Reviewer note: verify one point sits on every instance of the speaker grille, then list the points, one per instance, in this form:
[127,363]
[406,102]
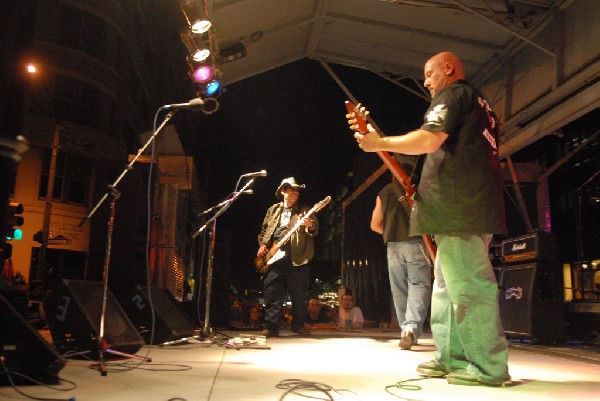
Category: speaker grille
[170,323]
[74,313]
[531,303]
[24,350]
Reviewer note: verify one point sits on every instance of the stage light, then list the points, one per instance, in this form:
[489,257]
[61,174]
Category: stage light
[195,15]
[203,74]
[213,87]
[197,45]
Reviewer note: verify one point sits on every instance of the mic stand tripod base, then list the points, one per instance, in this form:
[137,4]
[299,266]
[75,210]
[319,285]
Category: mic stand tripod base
[213,337]
[101,365]
[181,341]
[201,336]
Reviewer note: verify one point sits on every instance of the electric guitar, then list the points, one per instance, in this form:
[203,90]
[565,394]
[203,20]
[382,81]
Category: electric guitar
[263,263]
[357,120]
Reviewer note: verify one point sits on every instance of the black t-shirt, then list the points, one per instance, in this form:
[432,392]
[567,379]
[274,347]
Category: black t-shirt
[460,191]
[396,212]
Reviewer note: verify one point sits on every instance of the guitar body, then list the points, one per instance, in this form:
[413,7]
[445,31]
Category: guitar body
[357,120]
[263,263]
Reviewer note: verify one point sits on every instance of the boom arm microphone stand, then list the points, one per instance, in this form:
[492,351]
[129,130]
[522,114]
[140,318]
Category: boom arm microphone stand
[102,345]
[223,206]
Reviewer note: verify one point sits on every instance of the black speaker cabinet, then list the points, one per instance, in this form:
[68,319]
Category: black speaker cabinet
[531,301]
[25,351]
[74,313]
[170,323]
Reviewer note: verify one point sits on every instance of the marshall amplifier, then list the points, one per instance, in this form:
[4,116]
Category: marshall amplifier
[540,245]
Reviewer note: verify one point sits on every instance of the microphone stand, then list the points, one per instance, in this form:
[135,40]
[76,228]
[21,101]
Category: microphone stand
[103,347]
[223,206]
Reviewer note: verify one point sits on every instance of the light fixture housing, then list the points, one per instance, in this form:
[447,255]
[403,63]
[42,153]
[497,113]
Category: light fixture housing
[197,45]
[195,15]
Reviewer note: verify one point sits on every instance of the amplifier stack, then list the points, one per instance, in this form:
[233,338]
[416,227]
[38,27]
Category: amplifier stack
[531,288]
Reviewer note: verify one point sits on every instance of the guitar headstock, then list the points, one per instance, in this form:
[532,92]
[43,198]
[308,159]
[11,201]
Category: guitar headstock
[323,203]
[357,117]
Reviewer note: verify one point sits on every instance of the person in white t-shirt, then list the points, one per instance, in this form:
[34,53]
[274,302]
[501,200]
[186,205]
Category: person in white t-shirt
[350,312]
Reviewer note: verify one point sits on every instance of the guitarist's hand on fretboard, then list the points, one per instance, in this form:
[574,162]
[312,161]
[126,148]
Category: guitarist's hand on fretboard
[308,223]
[262,251]
[370,141]
[367,137]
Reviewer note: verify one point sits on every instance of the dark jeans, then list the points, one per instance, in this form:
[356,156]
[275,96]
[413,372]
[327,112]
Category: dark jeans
[281,277]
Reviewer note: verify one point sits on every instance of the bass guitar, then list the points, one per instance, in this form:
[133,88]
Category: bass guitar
[357,119]
[263,263]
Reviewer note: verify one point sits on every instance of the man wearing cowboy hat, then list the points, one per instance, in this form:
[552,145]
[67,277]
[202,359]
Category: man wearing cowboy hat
[291,272]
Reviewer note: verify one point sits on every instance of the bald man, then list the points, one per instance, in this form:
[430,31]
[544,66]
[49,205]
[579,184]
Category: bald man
[460,202]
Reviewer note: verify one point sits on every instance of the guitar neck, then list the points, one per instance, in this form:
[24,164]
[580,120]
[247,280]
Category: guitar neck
[358,123]
[399,173]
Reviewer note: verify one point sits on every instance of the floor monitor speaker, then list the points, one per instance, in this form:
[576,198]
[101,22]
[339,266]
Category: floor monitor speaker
[531,301]
[74,311]
[25,351]
[169,323]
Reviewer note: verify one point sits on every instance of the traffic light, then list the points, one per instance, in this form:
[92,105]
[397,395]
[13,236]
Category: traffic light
[39,237]
[13,219]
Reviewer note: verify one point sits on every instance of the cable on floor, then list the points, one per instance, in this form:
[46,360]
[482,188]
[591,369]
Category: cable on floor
[9,375]
[300,387]
[405,385]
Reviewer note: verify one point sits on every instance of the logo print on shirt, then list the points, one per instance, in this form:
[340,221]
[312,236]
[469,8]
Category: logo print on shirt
[437,115]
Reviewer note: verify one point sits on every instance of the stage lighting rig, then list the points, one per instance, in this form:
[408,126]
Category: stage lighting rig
[203,51]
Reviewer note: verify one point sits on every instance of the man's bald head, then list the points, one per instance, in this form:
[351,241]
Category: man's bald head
[441,70]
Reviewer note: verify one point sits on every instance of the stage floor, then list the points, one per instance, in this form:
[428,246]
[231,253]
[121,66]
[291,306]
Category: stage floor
[355,366]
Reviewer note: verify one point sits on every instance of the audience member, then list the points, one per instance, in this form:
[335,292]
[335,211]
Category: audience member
[351,313]
[318,316]
[236,314]
[256,315]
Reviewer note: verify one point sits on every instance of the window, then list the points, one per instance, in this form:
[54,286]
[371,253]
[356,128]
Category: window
[83,32]
[71,180]
[78,102]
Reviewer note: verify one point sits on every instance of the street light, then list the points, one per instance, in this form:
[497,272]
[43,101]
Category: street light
[32,69]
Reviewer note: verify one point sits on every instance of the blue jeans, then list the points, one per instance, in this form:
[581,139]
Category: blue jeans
[465,316]
[410,280]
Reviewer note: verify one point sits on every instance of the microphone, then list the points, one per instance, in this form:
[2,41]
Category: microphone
[261,173]
[193,105]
